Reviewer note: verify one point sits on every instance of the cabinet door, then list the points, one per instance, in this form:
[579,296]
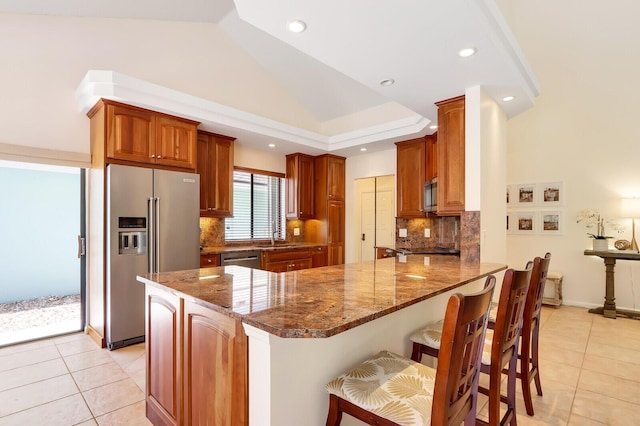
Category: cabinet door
[175,142]
[298,264]
[163,390]
[222,190]
[215,368]
[277,266]
[451,160]
[336,219]
[335,254]
[130,134]
[410,175]
[432,157]
[300,187]
[206,157]
[335,178]
[319,257]
[209,260]
[215,166]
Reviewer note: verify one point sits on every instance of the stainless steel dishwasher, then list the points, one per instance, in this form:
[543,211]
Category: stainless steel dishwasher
[250,259]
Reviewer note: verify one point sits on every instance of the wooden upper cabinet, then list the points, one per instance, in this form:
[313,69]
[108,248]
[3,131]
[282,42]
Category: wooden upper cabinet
[130,134]
[431,144]
[175,142]
[335,178]
[410,177]
[142,136]
[451,156]
[215,166]
[299,186]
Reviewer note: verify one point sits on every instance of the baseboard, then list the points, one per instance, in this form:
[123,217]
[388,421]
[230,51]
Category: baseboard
[96,337]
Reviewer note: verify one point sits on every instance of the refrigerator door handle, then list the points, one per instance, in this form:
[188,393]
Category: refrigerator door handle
[151,257]
[157,237]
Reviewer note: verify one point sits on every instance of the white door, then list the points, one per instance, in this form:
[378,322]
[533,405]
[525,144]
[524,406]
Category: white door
[374,215]
[385,211]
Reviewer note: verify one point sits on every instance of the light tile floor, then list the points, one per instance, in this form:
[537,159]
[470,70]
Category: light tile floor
[69,380]
[590,369]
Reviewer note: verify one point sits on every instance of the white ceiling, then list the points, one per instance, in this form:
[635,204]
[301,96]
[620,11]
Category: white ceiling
[334,68]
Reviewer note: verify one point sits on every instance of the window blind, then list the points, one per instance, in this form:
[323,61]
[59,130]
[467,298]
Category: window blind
[258,207]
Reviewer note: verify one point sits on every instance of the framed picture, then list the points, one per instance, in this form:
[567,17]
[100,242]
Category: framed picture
[551,223]
[551,193]
[510,195]
[509,224]
[524,222]
[525,195]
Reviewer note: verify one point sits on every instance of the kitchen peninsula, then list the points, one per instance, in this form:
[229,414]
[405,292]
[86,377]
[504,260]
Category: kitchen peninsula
[234,345]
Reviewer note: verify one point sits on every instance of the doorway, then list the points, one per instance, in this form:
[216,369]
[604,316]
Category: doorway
[41,267]
[375,209]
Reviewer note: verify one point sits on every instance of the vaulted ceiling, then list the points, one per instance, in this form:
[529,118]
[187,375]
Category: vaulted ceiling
[335,67]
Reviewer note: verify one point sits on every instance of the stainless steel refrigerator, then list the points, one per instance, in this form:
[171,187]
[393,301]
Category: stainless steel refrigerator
[152,226]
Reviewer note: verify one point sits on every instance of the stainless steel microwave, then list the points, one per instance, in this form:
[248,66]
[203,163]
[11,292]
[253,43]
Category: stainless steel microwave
[431,196]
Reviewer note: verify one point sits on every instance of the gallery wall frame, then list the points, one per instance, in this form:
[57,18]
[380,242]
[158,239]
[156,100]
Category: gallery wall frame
[524,222]
[550,194]
[551,222]
[526,195]
[535,208]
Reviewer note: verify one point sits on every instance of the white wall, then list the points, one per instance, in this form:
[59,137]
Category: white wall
[44,58]
[485,171]
[245,156]
[583,131]
[362,166]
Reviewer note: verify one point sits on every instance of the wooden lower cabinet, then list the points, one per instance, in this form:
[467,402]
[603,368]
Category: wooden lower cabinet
[319,257]
[286,260]
[209,260]
[215,368]
[197,366]
[163,390]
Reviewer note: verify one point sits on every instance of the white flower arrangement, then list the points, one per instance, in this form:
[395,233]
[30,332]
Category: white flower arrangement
[593,219]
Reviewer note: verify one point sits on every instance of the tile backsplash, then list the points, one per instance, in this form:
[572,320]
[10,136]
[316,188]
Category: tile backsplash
[445,232]
[211,232]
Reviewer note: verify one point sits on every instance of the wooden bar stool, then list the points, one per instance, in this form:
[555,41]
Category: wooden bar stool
[501,346]
[389,389]
[529,369]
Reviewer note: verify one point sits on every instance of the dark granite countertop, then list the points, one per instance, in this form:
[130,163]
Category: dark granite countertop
[320,302]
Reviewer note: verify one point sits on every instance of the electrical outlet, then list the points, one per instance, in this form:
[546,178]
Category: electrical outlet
[426,261]
[296,231]
[427,232]
[402,233]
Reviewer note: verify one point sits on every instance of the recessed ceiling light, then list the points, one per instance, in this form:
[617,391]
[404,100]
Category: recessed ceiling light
[363,149]
[272,145]
[433,127]
[297,26]
[508,98]
[387,82]
[469,51]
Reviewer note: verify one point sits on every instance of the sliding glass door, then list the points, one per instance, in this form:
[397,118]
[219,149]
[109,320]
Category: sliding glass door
[41,271]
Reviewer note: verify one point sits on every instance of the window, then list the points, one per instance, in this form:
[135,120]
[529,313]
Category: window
[258,206]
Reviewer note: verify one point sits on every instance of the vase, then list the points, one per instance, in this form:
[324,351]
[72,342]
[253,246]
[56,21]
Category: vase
[600,244]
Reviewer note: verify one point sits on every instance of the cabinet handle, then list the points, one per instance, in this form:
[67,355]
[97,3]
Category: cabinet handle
[159,156]
[209,260]
[153,156]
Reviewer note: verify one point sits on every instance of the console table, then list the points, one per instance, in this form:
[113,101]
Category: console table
[609,309]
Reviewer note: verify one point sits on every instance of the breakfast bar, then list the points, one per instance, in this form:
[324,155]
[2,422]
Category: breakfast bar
[234,345]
